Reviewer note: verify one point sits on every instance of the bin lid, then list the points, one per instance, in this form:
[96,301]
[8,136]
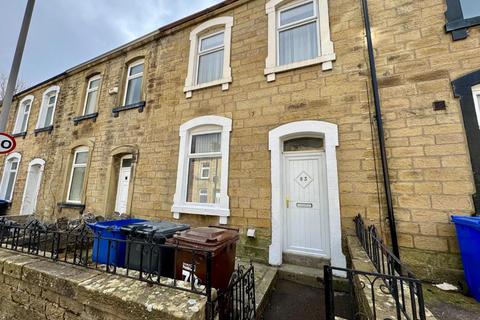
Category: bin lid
[113,225]
[473,222]
[146,228]
[208,238]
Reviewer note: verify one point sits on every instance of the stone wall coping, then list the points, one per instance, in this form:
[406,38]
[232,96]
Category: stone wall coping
[385,304]
[112,294]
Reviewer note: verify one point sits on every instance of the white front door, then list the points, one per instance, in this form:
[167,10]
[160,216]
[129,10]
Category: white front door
[32,185]
[306,208]
[123,184]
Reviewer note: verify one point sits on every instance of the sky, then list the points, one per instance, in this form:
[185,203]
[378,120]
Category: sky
[64,33]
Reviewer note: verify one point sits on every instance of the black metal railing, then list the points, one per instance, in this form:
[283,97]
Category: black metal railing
[237,301]
[379,253]
[142,260]
[388,296]
[148,260]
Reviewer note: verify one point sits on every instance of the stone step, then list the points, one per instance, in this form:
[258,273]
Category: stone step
[305,261]
[308,276]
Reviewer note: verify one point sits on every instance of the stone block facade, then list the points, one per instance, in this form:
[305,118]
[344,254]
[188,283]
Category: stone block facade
[427,151]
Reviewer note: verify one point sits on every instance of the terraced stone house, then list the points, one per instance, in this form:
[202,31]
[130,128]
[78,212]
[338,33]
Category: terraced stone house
[261,115]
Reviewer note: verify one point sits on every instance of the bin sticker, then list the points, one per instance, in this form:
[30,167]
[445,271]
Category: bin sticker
[189,275]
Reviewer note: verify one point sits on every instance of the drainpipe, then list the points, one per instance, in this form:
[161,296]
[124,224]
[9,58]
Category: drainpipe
[381,133]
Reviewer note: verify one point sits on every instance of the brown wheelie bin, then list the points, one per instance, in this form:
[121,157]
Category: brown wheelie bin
[219,241]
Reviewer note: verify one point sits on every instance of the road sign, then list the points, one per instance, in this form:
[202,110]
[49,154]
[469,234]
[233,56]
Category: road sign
[7,143]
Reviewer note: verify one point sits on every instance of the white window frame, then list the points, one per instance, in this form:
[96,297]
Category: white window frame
[82,165]
[326,54]
[6,174]
[21,112]
[129,77]
[475,95]
[191,80]
[202,125]
[88,91]
[203,170]
[43,109]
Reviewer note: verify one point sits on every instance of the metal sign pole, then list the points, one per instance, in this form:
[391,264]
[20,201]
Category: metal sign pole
[17,58]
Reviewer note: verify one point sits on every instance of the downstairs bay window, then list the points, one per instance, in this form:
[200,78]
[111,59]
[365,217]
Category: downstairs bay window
[202,177]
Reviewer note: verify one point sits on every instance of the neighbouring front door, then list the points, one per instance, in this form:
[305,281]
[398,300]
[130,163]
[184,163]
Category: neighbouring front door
[32,185]
[123,184]
[306,209]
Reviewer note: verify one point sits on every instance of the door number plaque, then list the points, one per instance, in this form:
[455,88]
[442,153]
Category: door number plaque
[303,179]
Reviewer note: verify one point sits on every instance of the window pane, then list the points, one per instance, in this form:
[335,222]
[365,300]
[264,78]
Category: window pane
[51,99]
[126,163]
[204,143]
[298,44]
[23,127]
[136,69]
[48,116]
[212,185]
[203,196]
[14,165]
[470,8]
[303,144]
[77,184]
[304,11]
[81,157]
[210,66]
[211,42]
[94,84]
[134,90]
[91,102]
[10,182]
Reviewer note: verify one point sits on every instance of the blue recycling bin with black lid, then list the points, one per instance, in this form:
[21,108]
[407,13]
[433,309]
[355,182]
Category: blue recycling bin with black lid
[106,250]
[468,235]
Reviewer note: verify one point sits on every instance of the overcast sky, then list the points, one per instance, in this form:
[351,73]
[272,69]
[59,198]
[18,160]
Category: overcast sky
[64,33]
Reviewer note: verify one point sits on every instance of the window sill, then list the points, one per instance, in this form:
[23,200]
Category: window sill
[78,119]
[458,27]
[325,60]
[49,129]
[223,82]
[201,210]
[19,134]
[138,105]
[68,205]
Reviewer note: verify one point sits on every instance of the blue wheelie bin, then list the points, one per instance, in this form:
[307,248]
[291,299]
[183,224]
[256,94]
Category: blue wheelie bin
[104,231]
[468,235]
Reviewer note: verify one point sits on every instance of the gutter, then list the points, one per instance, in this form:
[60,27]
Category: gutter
[381,132]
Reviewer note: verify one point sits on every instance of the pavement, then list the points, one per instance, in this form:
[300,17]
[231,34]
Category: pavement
[291,300]
[450,305]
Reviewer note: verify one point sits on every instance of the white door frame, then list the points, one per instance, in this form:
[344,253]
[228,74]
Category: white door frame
[329,132]
[128,156]
[32,163]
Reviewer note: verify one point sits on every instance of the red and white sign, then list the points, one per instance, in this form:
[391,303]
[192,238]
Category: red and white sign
[7,143]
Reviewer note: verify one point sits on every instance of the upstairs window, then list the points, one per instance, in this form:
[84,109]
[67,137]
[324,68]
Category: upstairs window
[476,101]
[91,95]
[297,33]
[77,175]
[209,58]
[461,14]
[21,123]
[298,36]
[9,176]
[205,170]
[134,82]
[47,110]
